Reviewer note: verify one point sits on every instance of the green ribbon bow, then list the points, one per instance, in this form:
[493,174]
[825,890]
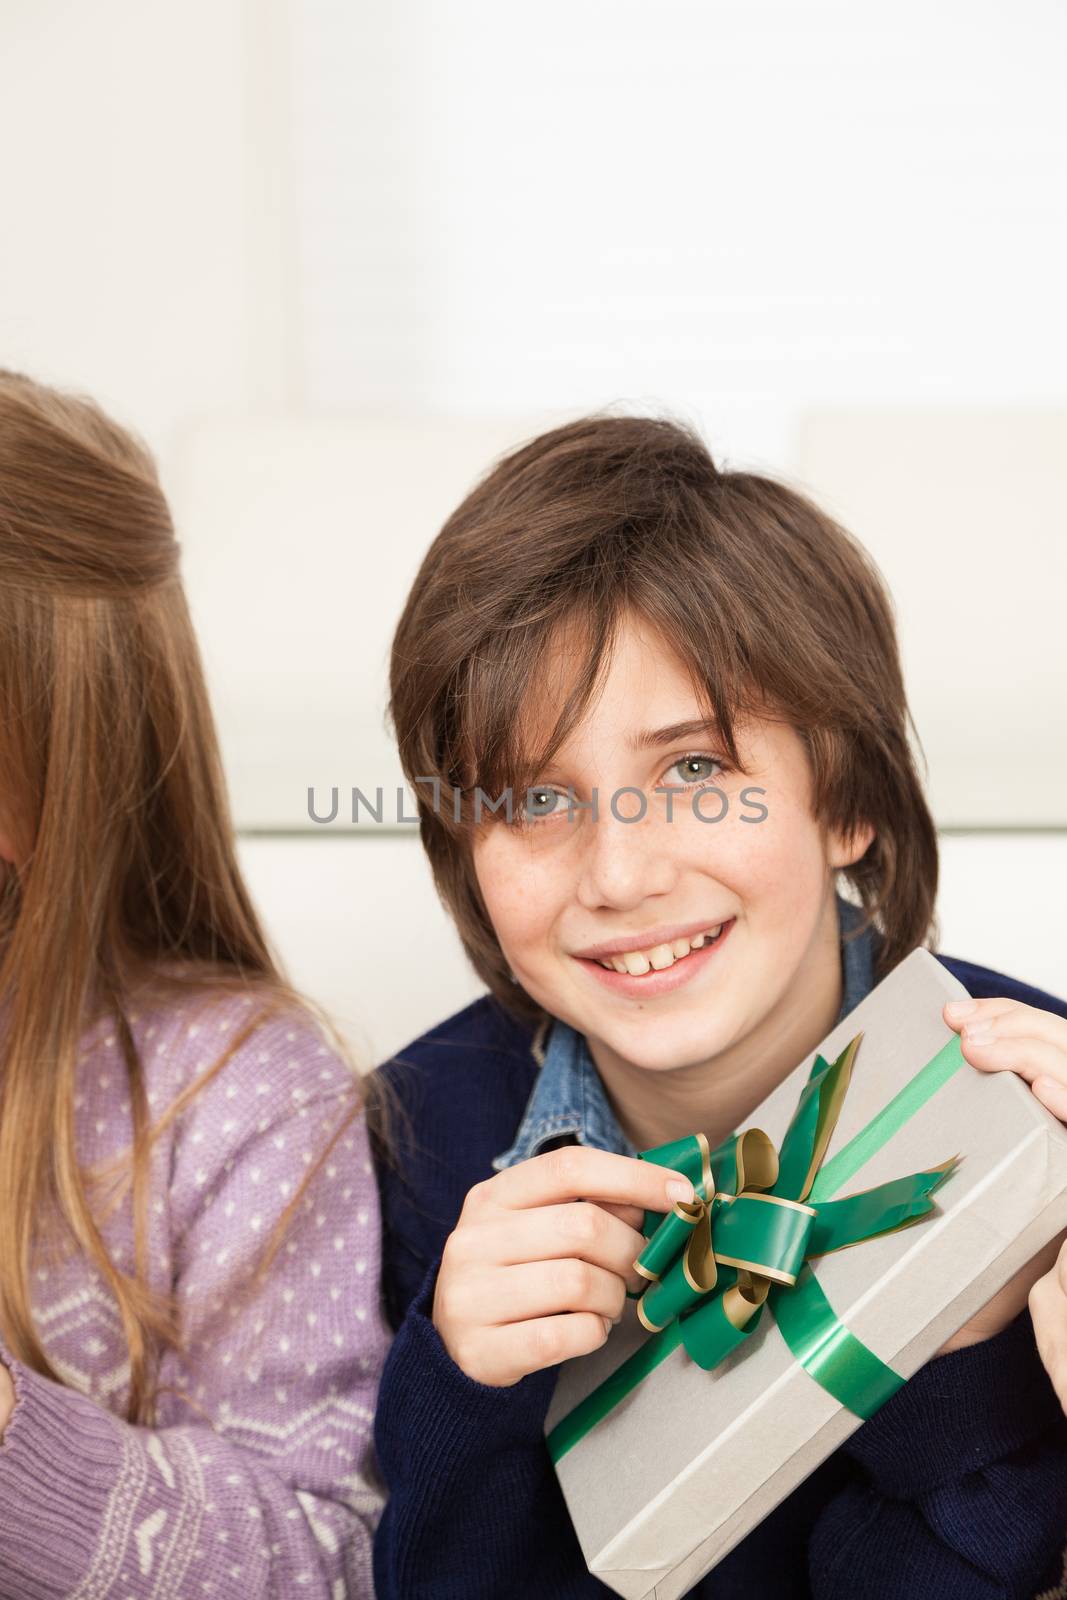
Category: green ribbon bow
[714,1263]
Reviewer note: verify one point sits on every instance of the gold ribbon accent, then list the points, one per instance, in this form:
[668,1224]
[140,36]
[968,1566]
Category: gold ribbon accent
[757,1170]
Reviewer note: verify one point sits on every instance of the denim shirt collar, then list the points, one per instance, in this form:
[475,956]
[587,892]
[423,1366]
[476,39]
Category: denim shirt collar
[568,1096]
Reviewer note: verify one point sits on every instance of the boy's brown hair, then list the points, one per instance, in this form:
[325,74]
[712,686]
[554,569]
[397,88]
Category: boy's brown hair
[773,606]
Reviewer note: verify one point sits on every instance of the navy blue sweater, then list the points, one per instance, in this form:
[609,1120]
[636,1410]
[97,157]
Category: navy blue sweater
[956,1489]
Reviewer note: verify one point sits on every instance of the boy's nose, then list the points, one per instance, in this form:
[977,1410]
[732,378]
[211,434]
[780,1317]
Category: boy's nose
[623,863]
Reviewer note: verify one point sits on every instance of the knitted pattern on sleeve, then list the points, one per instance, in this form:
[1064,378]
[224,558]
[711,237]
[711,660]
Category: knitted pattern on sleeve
[259,1477]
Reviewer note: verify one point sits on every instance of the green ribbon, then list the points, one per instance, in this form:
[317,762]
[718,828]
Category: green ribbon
[745,1242]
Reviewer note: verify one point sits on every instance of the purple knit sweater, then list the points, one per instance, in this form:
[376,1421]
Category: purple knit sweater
[261,1481]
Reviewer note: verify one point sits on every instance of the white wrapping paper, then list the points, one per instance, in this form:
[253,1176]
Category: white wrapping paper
[689,1462]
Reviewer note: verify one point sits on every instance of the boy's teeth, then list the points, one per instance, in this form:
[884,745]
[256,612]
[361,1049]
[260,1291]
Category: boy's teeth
[660,956]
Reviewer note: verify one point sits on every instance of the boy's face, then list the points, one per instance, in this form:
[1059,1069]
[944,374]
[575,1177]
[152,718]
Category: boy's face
[558,885]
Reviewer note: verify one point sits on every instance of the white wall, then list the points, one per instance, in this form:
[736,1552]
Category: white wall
[128,207]
[965,513]
[999,904]
[304,540]
[737,211]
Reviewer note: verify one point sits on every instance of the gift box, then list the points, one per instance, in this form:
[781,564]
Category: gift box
[960,1177]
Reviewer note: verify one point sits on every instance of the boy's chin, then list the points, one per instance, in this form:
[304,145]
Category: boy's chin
[657,1046]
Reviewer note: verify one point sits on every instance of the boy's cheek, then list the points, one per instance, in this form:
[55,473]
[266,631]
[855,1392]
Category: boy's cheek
[521,900]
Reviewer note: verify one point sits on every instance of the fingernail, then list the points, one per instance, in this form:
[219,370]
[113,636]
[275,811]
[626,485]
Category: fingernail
[961,1008]
[607,1324]
[679,1189]
[979,1033]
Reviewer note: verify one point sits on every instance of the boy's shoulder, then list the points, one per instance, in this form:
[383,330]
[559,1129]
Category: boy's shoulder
[440,1110]
[477,1044]
[453,1096]
[985,983]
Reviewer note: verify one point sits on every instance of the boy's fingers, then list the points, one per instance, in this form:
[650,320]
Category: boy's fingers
[578,1172]
[633,1216]
[1027,1058]
[1010,1019]
[510,1352]
[585,1232]
[1053,1095]
[546,1288]
[960,1012]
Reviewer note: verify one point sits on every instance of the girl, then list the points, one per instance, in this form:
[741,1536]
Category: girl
[190,1339]
[656,719]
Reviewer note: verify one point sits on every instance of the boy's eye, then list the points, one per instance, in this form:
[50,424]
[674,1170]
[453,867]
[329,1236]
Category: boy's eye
[541,803]
[696,769]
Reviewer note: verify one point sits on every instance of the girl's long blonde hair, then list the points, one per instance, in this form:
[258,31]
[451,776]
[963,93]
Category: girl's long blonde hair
[124,878]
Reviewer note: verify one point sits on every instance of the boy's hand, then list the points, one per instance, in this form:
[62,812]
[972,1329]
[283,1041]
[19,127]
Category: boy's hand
[998,1035]
[1010,1036]
[1005,1306]
[1048,1308]
[532,1274]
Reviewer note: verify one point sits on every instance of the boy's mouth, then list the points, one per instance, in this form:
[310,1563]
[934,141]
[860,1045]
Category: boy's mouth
[660,968]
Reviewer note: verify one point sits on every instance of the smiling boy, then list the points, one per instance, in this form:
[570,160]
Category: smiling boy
[565,896]
[685,687]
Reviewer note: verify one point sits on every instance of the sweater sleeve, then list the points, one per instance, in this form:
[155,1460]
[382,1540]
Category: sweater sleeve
[961,1488]
[475,1511]
[259,1478]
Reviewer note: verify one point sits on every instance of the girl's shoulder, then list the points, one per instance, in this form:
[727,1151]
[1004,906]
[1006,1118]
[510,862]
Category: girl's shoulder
[238,1033]
[221,1037]
[225,1075]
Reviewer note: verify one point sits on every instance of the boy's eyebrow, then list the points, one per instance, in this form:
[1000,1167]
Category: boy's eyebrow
[676,733]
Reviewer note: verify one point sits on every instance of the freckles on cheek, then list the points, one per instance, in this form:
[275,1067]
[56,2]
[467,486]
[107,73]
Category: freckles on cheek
[518,899]
[774,860]
[783,869]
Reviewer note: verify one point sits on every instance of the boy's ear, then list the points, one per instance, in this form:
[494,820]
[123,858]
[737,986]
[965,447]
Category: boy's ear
[847,848]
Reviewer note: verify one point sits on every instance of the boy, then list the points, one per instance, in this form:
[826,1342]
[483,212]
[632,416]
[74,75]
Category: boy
[653,713]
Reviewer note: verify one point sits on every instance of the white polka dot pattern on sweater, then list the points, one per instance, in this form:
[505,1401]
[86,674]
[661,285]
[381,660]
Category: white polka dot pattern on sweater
[260,1474]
